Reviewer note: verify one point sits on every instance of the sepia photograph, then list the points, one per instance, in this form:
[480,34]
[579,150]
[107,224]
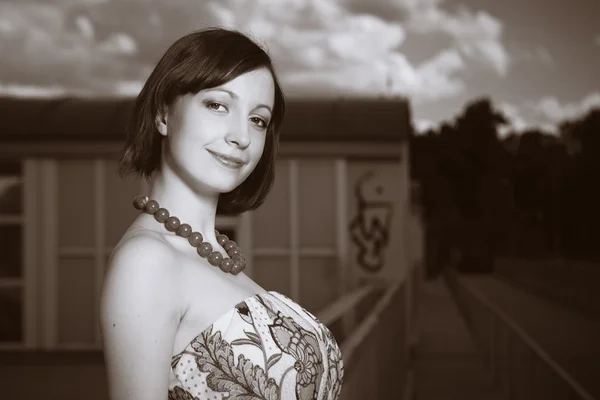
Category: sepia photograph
[299,200]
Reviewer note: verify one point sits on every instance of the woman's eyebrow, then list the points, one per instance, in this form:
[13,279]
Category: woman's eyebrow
[264,106]
[229,92]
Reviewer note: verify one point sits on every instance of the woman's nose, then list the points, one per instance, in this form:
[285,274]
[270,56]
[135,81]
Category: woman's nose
[238,133]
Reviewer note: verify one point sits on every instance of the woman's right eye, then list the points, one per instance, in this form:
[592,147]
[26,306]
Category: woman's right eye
[216,106]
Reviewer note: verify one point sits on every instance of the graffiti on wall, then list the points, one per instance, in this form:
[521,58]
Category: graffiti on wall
[370,228]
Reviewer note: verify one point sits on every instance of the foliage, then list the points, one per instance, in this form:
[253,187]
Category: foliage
[530,194]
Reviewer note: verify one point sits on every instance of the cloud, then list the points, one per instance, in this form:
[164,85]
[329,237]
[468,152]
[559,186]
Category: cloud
[109,47]
[545,114]
[389,75]
[436,78]
[18,90]
[423,125]
[320,48]
[537,54]
[477,35]
[52,46]
[554,111]
[516,122]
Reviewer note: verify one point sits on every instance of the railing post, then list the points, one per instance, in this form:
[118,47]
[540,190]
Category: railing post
[349,322]
[373,361]
[533,376]
[493,355]
[507,341]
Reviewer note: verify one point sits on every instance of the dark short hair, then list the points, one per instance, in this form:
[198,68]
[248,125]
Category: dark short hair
[201,60]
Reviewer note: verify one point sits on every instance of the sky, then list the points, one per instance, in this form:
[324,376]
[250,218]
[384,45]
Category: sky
[537,60]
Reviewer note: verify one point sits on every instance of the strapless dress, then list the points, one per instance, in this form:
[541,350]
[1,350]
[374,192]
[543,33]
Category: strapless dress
[266,347]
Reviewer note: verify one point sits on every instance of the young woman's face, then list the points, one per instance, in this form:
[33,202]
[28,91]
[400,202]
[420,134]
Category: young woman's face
[216,137]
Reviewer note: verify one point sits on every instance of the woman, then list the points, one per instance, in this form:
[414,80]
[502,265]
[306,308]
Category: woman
[178,315]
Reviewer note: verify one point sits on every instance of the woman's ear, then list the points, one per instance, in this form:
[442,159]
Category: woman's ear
[161,121]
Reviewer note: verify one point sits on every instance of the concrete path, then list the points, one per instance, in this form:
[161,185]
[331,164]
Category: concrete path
[570,337]
[447,365]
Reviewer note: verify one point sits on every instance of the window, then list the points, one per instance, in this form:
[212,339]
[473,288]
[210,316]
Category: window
[298,233]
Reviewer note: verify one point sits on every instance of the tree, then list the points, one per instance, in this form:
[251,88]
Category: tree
[532,194]
[580,193]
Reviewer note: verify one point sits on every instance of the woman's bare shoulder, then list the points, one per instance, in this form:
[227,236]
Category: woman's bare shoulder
[140,309]
[141,243]
[142,259]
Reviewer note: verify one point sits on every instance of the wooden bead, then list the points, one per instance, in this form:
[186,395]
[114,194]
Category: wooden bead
[140,201]
[195,239]
[151,207]
[215,258]
[172,224]
[241,259]
[226,265]
[205,249]
[185,230]
[237,268]
[229,245]
[222,239]
[161,215]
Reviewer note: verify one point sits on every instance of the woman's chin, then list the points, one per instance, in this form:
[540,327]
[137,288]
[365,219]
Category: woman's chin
[219,182]
[226,187]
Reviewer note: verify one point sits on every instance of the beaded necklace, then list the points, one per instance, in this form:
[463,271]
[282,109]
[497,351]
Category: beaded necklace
[234,264]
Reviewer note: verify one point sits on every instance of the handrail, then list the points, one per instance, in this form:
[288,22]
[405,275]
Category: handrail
[586,266]
[559,280]
[525,337]
[349,346]
[336,310]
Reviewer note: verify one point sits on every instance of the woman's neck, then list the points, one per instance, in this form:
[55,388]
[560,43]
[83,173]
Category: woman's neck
[190,206]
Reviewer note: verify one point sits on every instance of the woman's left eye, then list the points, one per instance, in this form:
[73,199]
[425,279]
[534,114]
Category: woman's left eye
[259,121]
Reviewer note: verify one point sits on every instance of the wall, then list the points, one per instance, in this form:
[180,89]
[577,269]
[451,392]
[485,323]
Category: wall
[298,242]
[378,192]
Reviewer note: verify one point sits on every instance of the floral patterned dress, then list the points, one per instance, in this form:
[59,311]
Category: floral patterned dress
[266,347]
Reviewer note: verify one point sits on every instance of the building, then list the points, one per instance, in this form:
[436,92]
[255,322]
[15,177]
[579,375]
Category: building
[339,214]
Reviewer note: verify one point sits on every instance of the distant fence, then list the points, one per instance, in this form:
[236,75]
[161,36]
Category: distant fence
[574,284]
[519,365]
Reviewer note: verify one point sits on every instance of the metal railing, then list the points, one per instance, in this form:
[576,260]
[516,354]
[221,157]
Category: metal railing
[519,365]
[368,323]
[568,282]
[374,345]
